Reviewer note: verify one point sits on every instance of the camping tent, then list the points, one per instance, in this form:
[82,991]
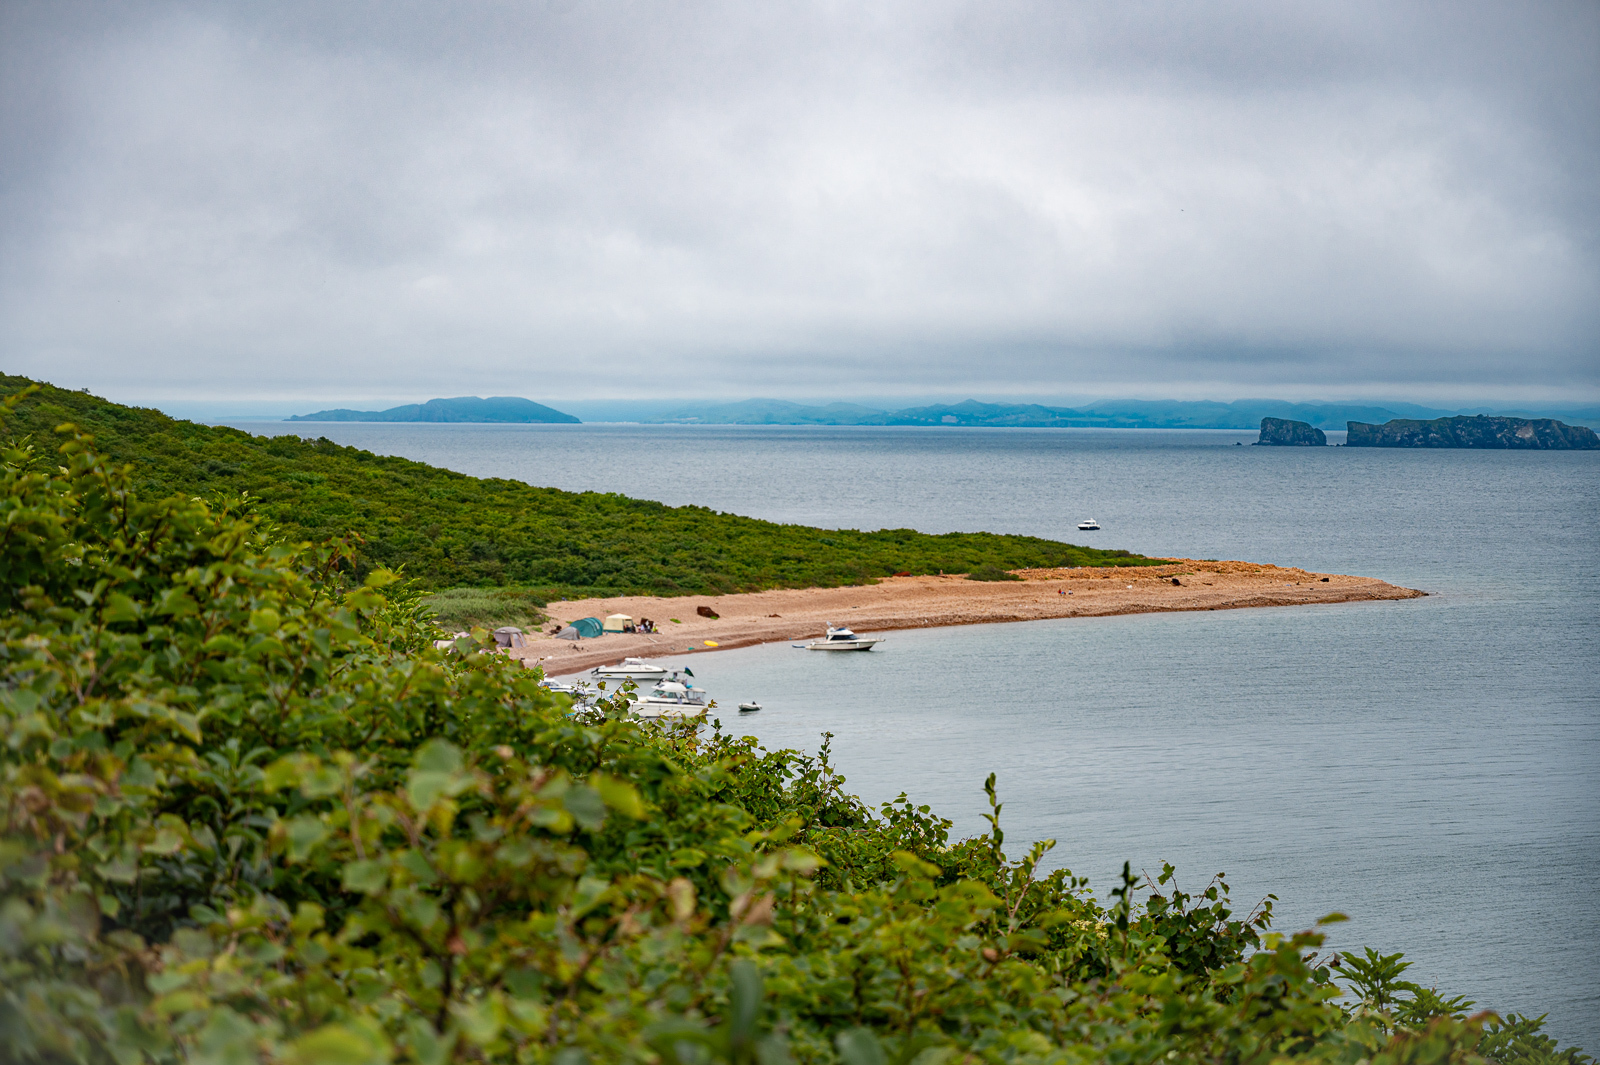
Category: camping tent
[508,636]
[617,622]
[584,628]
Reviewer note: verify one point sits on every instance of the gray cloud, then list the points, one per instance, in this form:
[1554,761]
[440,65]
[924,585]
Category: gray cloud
[394,201]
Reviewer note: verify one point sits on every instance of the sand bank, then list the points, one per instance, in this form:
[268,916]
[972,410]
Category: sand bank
[924,602]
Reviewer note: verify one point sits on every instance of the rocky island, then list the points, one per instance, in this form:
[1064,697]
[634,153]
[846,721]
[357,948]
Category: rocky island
[1281,432]
[1481,431]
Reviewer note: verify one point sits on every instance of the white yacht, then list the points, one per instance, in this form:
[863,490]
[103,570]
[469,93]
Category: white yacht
[632,669]
[840,638]
[671,698]
[1088,525]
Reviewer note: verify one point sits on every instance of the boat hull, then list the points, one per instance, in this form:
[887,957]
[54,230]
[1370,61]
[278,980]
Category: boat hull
[842,645]
[651,711]
[632,669]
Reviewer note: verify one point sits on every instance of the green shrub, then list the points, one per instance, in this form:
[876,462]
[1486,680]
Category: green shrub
[250,814]
[990,572]
[458,609]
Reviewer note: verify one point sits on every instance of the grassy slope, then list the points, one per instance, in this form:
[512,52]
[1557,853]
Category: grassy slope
[449,529]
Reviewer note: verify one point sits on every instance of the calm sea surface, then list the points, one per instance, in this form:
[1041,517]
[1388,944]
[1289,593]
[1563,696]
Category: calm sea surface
[1430,768]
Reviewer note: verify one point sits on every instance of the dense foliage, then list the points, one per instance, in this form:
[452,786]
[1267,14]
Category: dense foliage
[248,813]
[447,529]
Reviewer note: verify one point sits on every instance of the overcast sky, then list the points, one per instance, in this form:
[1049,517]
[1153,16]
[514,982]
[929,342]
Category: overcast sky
[388,201]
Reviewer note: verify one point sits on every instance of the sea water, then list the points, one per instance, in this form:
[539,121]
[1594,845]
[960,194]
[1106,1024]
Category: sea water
[1431,767]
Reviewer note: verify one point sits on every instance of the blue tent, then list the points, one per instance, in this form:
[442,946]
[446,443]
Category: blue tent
[588,628]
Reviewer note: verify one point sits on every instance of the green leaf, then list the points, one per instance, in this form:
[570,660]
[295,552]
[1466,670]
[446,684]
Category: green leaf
[286,771]
[164,842]
[424,789]
[438,756]
[368,877]
[586,806]
[481,1020]
[120,608]
[744,1001]
[427,1046]
[619,796]
[590,891]
[265,620]
[304,833]
[858,1046]
[321,782]
[339,1044]
[308,917]
[122,869]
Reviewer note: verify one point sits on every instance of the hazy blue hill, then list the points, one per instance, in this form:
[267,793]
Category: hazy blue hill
[971,412]
[777,412]
[459,409]
[1113,413]
[1240,414]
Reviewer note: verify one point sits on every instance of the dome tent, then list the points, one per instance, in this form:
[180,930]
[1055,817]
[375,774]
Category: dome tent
[583,628]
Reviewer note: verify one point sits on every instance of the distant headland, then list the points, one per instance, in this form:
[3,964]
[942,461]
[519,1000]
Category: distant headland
[460,409]
[1517,434]
[1533,434]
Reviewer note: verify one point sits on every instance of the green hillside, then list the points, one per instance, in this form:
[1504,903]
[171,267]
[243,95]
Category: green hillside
[448,529]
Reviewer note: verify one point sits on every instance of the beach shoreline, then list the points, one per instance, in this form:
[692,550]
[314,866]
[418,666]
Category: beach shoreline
[795,614]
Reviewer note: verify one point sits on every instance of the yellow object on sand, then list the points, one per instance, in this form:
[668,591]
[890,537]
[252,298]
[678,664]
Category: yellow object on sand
[712,643]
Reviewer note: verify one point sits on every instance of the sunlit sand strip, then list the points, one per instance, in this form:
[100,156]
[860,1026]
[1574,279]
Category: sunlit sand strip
[927,602]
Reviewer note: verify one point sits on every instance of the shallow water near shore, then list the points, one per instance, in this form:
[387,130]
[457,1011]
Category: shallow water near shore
[1430,767]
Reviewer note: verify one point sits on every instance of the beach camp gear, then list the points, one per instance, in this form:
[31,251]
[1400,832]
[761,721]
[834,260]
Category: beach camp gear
[582,629]
[617,622]
[508,636]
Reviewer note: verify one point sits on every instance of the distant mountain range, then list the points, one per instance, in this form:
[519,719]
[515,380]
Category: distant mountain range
[1115,414]
[1107,414]
[460,409]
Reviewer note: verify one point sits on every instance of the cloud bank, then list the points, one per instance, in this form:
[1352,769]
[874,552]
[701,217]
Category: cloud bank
[393,201]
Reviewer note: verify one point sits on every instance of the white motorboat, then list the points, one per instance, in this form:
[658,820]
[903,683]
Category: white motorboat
[1088,525]
[671,698]
[840,638]
[632,669]
[582,696]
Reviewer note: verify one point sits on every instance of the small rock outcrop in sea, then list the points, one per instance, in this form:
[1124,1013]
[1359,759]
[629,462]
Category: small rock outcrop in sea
[1536,434]
[1282,432]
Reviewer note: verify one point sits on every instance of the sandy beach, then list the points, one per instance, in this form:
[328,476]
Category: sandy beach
[925,602]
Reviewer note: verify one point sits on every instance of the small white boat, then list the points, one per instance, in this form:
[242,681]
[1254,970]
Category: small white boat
[582,696]
[745,708]
[632,669]
[672,699]
[840,638]
[1088,525]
